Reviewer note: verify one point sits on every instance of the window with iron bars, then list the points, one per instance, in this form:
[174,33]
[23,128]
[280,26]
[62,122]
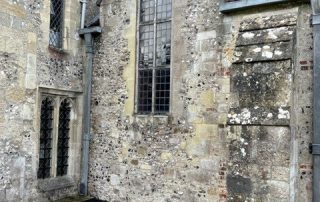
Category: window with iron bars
[153,90]
[56,24]
[54,141]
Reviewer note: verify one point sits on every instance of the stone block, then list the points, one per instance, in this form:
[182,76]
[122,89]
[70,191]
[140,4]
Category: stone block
[32,42]
[165,156]
[31,81]
[263,52]
[27,113]
[15,95]
[5,19]
[268,21]
[207,98]
[207,35]
[31,64]
[265,36]
[201,143]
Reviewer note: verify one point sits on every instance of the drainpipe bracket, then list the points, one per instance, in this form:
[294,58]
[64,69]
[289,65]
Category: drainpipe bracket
[314,149]
[91,30]
[315,20]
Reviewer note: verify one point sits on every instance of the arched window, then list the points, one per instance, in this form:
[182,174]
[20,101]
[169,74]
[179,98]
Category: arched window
[63,137]
[46,134]
[56,119]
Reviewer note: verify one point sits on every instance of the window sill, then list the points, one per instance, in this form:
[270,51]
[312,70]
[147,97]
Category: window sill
[56,183]
[152,115]
[231,6]
[58,50]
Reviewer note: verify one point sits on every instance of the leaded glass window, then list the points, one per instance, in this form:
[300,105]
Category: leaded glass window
[56,23]
[55,135]
[153,91]
[63,138]
[46,130]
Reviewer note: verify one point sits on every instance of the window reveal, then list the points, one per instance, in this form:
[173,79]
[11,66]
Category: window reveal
[153,95]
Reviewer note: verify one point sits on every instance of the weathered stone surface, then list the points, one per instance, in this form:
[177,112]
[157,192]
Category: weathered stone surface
[252,151]
[268,22]
[263,52]
[237,84]
[265,36]
[259,116]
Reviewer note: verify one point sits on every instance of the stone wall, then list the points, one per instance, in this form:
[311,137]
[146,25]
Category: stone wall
[239,128]
[241,104]
[28,65]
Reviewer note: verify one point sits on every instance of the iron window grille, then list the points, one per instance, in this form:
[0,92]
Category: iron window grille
[56,23]
[54,141]
[63,138]
[46,130]
[153,90]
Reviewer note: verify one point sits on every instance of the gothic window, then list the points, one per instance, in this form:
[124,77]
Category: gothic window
[56,23]
[153,90]
[46,130]
[54,141]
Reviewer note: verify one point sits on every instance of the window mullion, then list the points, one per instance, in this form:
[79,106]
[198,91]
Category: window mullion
[55,137]
[154,55]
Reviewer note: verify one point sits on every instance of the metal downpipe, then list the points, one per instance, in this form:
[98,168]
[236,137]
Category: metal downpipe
[83,13]
[315,147]
[86,116]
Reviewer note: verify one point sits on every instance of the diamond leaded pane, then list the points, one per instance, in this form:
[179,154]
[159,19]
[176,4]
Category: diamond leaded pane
[46,127]
[63,138]
[56,23]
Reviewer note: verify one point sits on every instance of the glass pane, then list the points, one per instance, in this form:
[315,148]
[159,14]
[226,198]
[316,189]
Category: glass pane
[145,91]
[146,46]
[164,9]
[147,11]
[163,44]
[162,97]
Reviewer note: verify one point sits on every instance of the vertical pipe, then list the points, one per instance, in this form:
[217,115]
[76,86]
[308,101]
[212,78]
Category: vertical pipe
[83,13]
[86,116]
[316,108]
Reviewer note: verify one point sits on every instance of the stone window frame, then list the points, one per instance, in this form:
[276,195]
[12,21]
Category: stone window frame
[231,5]
[152,113]
[55,182]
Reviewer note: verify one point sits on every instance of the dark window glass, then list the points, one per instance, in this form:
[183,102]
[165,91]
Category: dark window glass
[63,138]
[46,127]
[56,23]
[154,57]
